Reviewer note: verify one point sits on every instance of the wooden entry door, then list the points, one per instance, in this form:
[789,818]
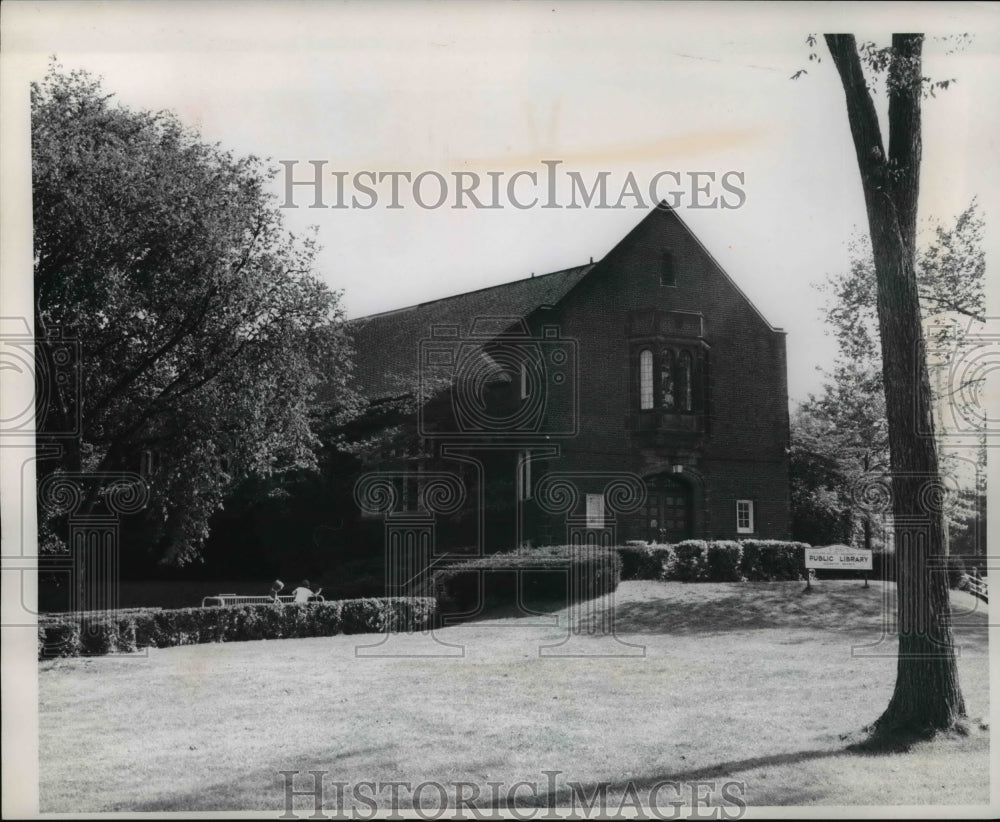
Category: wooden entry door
[667,513]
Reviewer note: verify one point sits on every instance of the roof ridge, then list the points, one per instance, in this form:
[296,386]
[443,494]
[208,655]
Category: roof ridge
[473,291]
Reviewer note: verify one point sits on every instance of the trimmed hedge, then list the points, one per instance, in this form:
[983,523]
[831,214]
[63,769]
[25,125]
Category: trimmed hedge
[692,561]
[666,559]
[639,562]
[76,635]
[563,573]
[696,560]
[117,612]
[725,561]
[773,560]
[642,560]
[59,639]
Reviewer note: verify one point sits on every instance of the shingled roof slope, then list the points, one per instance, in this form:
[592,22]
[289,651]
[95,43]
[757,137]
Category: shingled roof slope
[386,344]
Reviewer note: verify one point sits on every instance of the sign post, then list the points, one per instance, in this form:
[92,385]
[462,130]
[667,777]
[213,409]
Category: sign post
[838,556]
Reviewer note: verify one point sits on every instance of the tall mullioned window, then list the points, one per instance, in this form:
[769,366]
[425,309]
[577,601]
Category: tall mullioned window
[668,371]
[684,380]
[667,380]
[645,379]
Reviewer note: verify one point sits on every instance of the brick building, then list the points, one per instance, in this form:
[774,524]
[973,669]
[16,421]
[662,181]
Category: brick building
[639,397]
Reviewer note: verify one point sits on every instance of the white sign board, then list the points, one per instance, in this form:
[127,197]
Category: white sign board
[838,557]
[595,510]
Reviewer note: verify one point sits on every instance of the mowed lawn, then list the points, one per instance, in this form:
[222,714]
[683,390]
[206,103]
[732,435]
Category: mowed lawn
[755,682]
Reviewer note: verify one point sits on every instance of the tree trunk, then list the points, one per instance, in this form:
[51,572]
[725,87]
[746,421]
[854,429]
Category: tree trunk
[927,695]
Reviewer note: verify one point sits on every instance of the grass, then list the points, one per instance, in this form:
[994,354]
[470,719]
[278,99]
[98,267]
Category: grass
[749,682]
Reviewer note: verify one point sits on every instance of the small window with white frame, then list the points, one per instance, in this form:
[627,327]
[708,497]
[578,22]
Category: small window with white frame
[744,516]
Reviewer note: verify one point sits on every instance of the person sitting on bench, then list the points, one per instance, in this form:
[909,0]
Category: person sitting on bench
[304,593]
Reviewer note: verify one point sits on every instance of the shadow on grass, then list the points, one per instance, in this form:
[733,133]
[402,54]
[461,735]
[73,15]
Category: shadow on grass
[706,608]
[675,608]
[227,796]
[233,795]
[264,788]
[712,607]
[875,741]
[730,770]
[643,784]
[723,607]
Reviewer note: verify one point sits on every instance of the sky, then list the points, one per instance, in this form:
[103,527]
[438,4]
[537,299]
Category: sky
[636,88]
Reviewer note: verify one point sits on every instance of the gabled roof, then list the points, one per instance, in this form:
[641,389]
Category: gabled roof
[386,344]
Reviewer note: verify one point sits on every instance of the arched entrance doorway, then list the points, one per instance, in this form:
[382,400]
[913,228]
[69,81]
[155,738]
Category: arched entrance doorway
[668,511]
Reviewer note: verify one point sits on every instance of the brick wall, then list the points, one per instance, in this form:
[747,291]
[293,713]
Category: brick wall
[742,455]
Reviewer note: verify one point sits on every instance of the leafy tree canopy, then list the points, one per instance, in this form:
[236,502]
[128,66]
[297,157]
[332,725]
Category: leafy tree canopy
[840,436]
[950,272]
[204,331]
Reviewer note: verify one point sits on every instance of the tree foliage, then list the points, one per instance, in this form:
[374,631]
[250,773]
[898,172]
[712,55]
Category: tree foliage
[821,513]
[844,427]
[839,439]
[950,274]
[203,328]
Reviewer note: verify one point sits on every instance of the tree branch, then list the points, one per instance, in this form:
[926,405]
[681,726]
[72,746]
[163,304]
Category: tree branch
[865,130]
[905,146]
[951,305]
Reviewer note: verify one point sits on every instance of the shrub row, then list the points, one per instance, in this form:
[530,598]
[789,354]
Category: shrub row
[76,634]
[561,573]
[749,560]
[641,560]
[61,615]
[697,560]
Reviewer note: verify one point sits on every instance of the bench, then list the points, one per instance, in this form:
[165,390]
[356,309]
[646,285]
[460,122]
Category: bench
[977,586]
[240,599]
